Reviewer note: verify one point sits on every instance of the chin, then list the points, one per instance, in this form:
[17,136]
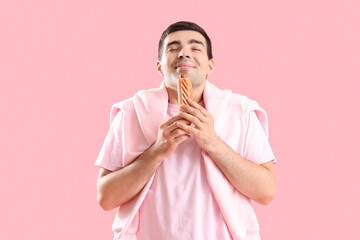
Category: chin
[186,71]
[197,81]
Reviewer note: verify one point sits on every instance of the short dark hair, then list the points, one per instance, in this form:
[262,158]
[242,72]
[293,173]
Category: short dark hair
[182,26]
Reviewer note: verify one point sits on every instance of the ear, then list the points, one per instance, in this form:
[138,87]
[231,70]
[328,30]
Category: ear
[211,66]
[158,67]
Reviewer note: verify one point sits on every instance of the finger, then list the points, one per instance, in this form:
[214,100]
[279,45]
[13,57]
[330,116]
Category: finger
[183,120]
[193,111]
[199,107]
[170,123]
[193,119]
[180,139]
[171,120]
[188,129]
[177,133]
[173,126]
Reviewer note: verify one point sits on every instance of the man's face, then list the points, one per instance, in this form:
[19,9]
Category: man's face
[184,52]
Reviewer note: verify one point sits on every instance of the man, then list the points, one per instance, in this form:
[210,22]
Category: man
[189,174]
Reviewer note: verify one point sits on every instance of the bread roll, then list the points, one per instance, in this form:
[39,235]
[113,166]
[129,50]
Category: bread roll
[184,88]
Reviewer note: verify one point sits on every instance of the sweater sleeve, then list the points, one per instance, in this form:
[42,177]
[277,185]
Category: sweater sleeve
[110,156]
[257,147]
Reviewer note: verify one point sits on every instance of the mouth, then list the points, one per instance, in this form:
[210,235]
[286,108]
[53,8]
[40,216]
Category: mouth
[184,66]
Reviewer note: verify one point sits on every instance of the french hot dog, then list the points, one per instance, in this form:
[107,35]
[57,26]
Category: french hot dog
[184,88]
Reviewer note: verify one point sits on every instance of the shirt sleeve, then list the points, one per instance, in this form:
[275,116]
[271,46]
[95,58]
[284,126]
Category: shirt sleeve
[110,156]
[257,147]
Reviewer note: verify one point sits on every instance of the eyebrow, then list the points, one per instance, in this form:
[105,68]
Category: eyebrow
[196,41]
[191,41]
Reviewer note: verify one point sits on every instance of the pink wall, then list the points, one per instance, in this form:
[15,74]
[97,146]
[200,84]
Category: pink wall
[63,63]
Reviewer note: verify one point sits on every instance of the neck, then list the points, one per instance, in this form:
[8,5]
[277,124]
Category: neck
[197,93]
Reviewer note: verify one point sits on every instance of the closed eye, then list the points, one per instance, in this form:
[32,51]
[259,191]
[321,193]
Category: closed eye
[171,50]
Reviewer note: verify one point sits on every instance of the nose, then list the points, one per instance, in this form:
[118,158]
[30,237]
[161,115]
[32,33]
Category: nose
[184,53]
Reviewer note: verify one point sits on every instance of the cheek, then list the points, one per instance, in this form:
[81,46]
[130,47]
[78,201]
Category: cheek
[202,60]
[165,65]
[205,66]
[168,61]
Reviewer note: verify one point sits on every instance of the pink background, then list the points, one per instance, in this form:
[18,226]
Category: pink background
[64,63]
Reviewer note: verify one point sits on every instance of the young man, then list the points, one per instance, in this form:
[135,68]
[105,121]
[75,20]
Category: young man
[190,174]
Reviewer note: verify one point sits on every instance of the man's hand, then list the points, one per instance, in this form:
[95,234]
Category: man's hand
[118,187]
[170,136]
[257,182]
[203,131]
